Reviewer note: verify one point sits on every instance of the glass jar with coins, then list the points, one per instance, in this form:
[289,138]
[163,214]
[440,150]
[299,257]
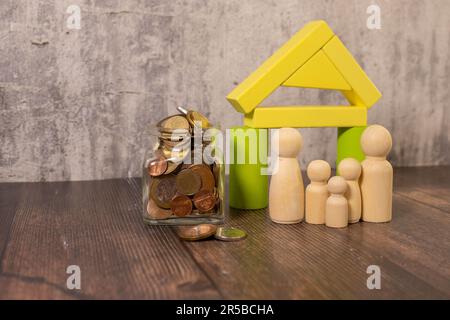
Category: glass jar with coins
[183,173]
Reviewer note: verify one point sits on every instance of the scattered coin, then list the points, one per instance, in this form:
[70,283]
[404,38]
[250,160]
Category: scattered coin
[181,205]
[163,189]
[204,200]
[206,176]
[230,234]
[156,212]
[198,232]
[157,167]
[188,182]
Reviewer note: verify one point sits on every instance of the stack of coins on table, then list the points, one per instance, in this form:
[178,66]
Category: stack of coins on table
[181,188]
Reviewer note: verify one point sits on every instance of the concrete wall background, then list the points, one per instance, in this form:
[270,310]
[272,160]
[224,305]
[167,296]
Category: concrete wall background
[79,104]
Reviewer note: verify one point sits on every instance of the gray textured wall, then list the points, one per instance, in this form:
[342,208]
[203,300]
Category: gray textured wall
[79,104]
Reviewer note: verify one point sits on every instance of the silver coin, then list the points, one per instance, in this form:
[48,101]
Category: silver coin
[230,234]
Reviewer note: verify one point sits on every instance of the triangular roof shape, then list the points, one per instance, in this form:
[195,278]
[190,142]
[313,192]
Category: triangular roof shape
[314,57]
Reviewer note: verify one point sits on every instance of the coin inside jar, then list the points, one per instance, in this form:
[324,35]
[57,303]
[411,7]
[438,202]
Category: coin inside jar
[206,176]
[188,182]
[171,136]
[163,189]
[230,234]
[204,200]
[172,123]
[156,212]
[179,154]
[157,167]
[181,205]
[195,118]
[172,166]
[198,232]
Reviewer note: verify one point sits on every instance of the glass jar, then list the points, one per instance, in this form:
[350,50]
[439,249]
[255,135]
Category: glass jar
[159,192]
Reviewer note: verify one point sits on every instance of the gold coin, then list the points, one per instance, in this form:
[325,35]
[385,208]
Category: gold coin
[195,119]
[174,136]
[163,189]
[198,232]
[188,182]
[230,234]
[179,154]
[206,175]
[172,166]
[174,133]
[156,212]
[170,145]
[172,123]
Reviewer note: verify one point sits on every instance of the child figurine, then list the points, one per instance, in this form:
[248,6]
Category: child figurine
[319,172]
[336,212]
[350,170]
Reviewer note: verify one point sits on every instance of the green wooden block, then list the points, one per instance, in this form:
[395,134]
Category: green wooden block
[248,188]
[348,144]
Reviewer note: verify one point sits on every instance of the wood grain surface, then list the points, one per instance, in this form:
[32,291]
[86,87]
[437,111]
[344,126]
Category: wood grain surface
[97,225]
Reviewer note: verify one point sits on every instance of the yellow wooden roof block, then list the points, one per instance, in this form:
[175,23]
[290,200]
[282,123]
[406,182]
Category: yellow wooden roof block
[280,66]
[364,92]
[318,72]
[313,58]
[306,116]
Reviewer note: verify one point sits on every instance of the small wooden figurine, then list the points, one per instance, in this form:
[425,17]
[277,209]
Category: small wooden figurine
[286,191]
[350,170]
[377,175]
[319,172]
[336,212]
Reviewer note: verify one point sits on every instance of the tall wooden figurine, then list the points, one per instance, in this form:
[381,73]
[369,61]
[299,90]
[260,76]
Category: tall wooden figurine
[377,175]
[286,191]
[319,172]
[336,210]
[350,170]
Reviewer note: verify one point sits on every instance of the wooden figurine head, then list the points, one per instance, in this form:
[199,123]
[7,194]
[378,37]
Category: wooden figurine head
[376,141]
[337,185]
[349,169]
[290,142]
[318,171]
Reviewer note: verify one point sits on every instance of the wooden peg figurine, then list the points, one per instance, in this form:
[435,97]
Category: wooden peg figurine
[336,211]
[377,175]
[319,172]
[350,170]
[286,191]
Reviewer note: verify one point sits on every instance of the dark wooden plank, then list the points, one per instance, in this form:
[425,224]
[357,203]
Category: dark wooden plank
[428,185]
[422,177]
[305,261]
[98,226]
[9,198]
[417,240]
[434,197]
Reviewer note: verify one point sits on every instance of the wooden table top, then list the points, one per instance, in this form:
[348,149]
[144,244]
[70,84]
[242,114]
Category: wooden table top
[97,225]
